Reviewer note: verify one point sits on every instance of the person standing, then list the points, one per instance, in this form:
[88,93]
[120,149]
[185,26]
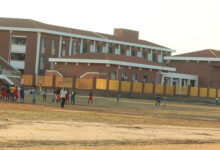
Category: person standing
[216,100]
[118,97]
[90,100]
[12,89]
[67,96]
[22,95]
[44,95]
[159,99]
[16,93]
[3,92]
[58,94]
[73,94]
[156,99]
[7,92]
[164,100]
[63,93]
[34,92]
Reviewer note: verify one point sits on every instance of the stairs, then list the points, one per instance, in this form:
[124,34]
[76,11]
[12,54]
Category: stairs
[9,74]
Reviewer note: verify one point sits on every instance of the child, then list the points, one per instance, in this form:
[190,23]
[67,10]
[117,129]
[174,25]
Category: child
[16,93]
[54,96]
[90,100]
[22,95]
[159,99]
[34,92]
[118,97]
[164,100]
[73,94]
[67,96]
[44,95]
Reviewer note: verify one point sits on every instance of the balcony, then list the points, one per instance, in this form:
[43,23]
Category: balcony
[17,64]
[18,48]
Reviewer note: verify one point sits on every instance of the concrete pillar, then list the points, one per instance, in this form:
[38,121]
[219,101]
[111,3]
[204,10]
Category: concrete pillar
[37,54]
[60,46]
[81,46]
[70,46]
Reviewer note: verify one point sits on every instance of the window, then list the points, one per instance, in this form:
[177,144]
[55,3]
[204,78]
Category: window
[53,44]
[64,48]
[128,53]
[160,59]
[53,48]
[132,52]
[124,77]
[74,48]
[140,54]
[42,59]
[210,84]
[92,48]
[211,70]
[51,65]
[113,75]
[134,77]
[96,48]
[144,79]
[153,57]
[42,43]
[109,50]
[84,48]
[104,49]
[117,51]
[17,56]
[122,51]
[19,40]
[149,56]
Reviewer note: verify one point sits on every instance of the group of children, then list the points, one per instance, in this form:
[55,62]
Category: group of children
[158,100]
[12,92]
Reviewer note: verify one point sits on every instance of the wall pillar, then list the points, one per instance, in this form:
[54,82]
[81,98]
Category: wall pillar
[60,46]
[37,53]
[70,46]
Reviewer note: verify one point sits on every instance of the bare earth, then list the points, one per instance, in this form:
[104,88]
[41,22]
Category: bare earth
[77,131]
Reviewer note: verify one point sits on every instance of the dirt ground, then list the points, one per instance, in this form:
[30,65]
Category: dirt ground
[16,132]
[35,132]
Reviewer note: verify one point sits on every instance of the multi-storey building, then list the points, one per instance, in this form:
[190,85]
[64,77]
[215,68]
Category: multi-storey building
[37,48]
[204,63]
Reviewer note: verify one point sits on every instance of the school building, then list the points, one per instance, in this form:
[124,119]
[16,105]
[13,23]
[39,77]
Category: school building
[203,63]
[32,47]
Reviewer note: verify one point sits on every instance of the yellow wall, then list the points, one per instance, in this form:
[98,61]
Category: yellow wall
[101,84]
[113,85]
[137,87]
[27,80]
[219,93]
[148,88]
[84,84]
[194,91]
[64,82]
[169,90]
[181,90]
[45,81]
[212,93]
[203,92]
[159,89]
[125,86]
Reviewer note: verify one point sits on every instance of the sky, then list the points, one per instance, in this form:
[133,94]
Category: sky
[182,25]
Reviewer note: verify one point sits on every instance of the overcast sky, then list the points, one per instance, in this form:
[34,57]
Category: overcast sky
[183,25]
